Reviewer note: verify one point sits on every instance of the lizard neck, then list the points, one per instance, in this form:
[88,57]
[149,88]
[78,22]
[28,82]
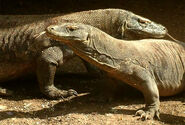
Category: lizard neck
[104,51]
[108,20]
[111,49]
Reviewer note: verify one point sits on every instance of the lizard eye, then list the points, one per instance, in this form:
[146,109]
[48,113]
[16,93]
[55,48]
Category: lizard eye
[71,28]
[143,21]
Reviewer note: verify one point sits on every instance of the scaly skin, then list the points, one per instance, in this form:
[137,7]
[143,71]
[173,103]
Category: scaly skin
[155,67]
[22,52]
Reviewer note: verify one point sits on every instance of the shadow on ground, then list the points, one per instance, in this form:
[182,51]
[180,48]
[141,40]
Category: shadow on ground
[87,104]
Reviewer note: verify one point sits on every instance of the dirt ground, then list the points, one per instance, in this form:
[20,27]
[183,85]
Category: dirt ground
[29,107]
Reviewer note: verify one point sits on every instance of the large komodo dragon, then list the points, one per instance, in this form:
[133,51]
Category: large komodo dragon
[22,52]
[156,67]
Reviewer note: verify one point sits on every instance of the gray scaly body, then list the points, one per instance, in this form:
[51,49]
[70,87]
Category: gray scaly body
[153,66]
[22,52]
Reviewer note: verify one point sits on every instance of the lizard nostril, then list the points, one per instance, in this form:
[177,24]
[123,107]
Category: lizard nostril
[165,29]
[52,28]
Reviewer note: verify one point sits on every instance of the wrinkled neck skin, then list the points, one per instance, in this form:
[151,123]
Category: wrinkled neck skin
[100,50]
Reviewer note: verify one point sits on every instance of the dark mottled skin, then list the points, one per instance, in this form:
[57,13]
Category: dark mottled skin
[22,51]
[156,67]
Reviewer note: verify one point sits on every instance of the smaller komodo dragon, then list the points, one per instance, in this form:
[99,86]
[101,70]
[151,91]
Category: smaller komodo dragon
[156,67]
[21,52]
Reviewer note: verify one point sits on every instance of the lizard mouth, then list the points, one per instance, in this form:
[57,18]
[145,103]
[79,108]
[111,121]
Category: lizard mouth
[39,34]
[56,36]
[142,34]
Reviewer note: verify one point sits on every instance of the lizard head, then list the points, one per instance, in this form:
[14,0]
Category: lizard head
[139,27]
[68,32]
[73,34]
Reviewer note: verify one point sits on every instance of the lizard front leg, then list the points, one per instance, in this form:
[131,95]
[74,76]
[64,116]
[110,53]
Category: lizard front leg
[47,63]
[151,95]
[150,91]
[142,79]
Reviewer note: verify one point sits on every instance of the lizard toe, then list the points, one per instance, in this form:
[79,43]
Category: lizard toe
[147,114]
[5,92]
[72,92]
[139,112]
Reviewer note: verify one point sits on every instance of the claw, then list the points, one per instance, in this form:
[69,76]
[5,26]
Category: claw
[157,115]
[139,113]
[146,115]
[72,92]
[62,97]
[142,115]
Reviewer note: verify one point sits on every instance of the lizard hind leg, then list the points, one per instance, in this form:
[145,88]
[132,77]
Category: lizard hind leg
[45,74]
[46,69]
[5,92]
[142,79]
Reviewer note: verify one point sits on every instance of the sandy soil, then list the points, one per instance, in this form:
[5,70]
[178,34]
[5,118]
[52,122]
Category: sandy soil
[28,106]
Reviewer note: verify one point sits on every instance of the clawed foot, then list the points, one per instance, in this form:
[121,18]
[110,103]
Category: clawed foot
[147,114]
[72,92]
[53,92]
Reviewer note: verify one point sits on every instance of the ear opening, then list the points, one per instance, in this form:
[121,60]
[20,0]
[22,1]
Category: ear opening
[88,37]
[123,29]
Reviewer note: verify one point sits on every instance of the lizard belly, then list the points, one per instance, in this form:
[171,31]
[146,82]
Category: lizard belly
[12,70]
[170,88]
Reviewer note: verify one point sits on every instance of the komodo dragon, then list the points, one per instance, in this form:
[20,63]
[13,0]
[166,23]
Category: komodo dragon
[22,52]
[156,67]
